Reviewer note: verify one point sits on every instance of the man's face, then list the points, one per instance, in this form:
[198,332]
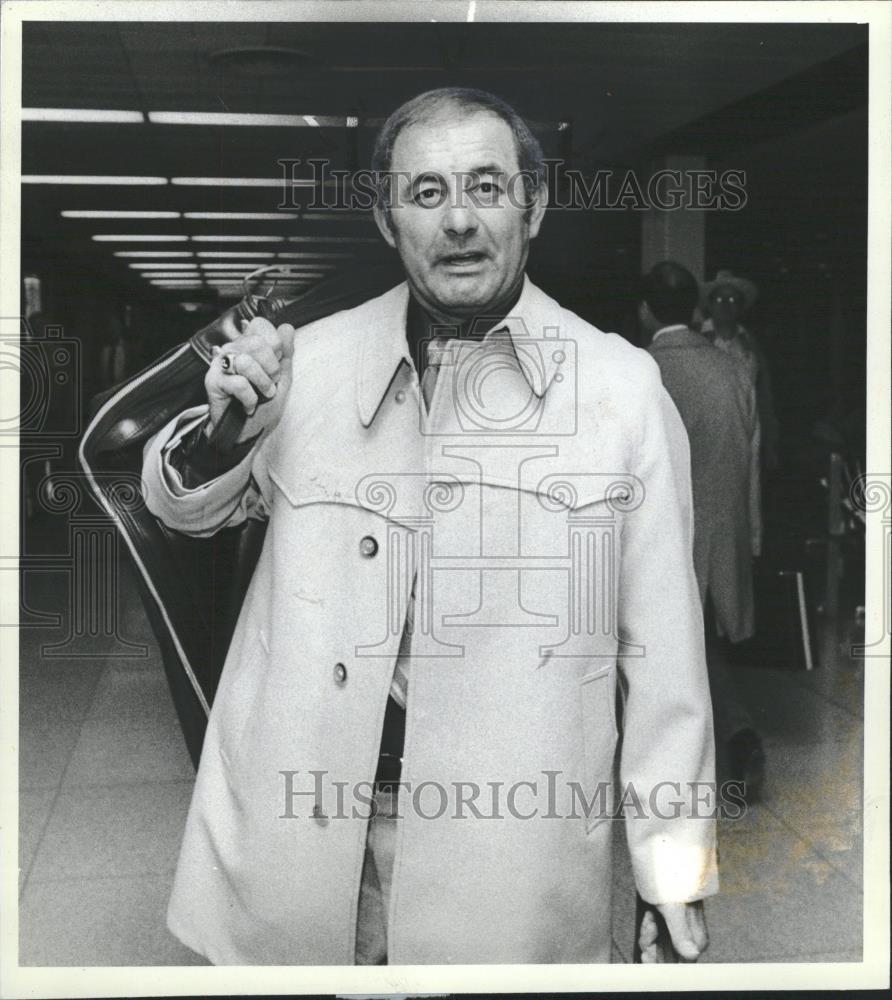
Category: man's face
[458,219]
[726,304]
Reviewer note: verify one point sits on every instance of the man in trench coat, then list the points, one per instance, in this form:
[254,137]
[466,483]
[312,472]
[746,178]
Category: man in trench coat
[508,544]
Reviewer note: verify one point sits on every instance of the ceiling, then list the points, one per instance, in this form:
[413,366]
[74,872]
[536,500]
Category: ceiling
[622,88]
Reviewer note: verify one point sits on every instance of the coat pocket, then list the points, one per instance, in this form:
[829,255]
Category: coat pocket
[598,693]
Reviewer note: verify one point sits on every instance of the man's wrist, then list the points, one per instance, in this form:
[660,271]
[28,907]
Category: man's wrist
[198,460]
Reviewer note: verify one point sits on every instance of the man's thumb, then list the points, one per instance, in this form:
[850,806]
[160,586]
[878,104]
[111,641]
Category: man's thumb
[676,919]
[286,332]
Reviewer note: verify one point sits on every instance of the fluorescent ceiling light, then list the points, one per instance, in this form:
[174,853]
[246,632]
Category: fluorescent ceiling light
[333,239]
[153,253]
[222,279]
[238,239]
[88,179]
[228,118]
[134,238]
[230,265]
[254,216]
[237,254]
[337,215]
[194,275]
[313,256]
[221,118]
[79,115]
[170,266]
[234,265]
[260,182]
[77,213]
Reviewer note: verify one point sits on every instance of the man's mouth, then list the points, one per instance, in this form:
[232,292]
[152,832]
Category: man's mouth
[466,259]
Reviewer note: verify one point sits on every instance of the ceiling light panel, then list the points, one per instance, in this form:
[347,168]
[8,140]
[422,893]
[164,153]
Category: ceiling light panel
[87,115]
[153,253]
[79,213]
[246,120]
[236,253]
[238,239]
[137,238]
[155,266]
[93,179]
[306,255]
[150,275]
[333,239]
[250,216]
[243,182]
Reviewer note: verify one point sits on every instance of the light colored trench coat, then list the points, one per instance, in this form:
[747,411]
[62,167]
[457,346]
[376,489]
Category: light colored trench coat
[545,505]
[718,409]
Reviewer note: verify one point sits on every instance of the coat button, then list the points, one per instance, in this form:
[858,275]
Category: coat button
[368,547]
[340,674]
[400,395]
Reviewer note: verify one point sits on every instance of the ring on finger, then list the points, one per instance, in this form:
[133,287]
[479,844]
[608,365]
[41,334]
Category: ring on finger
[227,363]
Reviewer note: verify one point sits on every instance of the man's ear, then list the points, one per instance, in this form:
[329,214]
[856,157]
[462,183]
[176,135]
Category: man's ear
[537,210]
[384,223]
[645,316]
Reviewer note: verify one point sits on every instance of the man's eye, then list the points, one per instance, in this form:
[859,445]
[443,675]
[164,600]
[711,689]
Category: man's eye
[428,195]
[486,191]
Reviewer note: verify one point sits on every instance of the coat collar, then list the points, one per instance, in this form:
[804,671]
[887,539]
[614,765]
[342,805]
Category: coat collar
[385,348]
[678,336]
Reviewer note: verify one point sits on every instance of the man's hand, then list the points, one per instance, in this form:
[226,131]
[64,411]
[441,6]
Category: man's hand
[686,923]
[258,377]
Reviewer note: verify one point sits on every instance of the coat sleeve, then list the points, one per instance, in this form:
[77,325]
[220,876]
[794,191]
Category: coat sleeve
[668,754]
[219,503]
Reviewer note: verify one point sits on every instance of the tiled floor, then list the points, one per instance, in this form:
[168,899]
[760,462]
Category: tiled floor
[106,782]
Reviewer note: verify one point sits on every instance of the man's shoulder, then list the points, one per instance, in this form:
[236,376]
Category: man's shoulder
[345,329]
[608,360]
[697,354]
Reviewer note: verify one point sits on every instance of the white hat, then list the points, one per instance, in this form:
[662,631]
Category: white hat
[747,288]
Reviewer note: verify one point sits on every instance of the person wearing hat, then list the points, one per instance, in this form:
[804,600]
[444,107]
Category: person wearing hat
[725,301]
[717,407]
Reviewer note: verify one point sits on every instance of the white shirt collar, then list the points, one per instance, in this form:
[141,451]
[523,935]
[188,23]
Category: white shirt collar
[669,329]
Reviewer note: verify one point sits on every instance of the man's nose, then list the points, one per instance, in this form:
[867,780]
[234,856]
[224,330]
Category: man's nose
[459,218]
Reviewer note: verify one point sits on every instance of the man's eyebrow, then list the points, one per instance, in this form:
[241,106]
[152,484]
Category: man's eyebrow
[426,175]
[487,168]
